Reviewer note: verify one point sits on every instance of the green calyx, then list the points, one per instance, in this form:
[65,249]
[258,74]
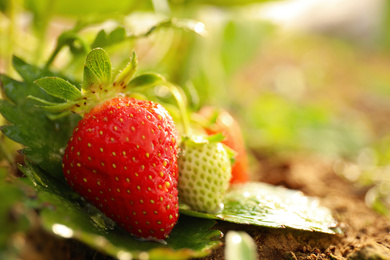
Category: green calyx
[97,85]
[194,140]
[203,139]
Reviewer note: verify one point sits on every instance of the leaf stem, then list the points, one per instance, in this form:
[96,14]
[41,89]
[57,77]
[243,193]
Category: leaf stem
[53,55]
[67,38]
[182,106]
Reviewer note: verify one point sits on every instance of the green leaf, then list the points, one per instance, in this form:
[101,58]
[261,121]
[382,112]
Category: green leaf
[29,72]
[59,87]
[44,181]
[265,205]
[191,237]
[156,24]
[289,126]
[4,5]
[104,40]
[240,34]
[97,69]
[90,8]
[17,91]
[127,74]
[239,245]
[13,89]
[231,153]
[55,107]
[43,138]
[15,115]
[189,25]
[204,139]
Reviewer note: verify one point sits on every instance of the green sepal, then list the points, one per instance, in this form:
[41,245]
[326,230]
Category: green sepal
[214,117]
[54,107]
[194,140]
[146,80]
[61,107]
[59,88]
[216,138]
[231,153]
[90,80]
[43,101]
[97,69]
[203,139]
[124,77]
[207,139]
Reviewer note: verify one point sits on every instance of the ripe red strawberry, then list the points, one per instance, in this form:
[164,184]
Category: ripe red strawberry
[222,122]
[122,157]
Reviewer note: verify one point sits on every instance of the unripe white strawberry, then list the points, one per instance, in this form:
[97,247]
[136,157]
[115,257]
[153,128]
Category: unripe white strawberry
[204,173]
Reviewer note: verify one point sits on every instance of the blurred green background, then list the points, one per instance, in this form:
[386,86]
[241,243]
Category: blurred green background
[301,77]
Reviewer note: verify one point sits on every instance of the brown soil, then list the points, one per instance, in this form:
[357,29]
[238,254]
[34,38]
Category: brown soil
[366,234]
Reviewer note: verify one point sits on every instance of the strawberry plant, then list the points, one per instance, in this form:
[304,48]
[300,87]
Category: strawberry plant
[133,182]
[45,134]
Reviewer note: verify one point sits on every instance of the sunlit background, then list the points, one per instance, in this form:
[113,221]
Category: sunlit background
[306,77]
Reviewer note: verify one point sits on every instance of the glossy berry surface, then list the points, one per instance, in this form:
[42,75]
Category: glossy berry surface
[122,157]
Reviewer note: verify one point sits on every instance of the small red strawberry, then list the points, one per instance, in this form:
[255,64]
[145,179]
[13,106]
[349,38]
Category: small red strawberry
[220,121]
[122,156]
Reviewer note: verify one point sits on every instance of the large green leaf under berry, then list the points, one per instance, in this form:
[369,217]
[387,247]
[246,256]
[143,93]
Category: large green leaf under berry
[265,205]
[191,237]
[77,219]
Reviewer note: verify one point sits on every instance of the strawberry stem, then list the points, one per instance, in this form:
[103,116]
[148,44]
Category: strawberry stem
[128,72]
[182,106]
[67,38]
